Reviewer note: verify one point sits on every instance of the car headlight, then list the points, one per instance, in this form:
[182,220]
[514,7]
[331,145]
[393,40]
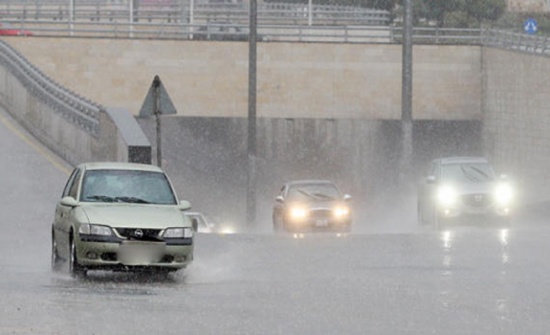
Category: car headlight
[298,213]
[341,212]
[446,195]
[503,194]
[94,229]
[178,233]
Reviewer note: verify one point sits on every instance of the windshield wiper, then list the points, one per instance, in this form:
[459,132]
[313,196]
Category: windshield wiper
[468,175]
[316,196]
[132,200]
[481,172]
[102,198]
[321,195]
[307,194]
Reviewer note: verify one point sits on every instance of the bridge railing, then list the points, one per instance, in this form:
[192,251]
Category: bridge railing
[185,11]
[75,108]
[72,126]
[509,40]
[225,31]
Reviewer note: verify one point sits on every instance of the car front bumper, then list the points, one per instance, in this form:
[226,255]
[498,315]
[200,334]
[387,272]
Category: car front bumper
[471,211]
[318,224]
[94,255]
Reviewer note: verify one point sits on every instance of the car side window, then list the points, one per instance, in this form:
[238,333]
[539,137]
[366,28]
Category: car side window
[69,183]
[74,187]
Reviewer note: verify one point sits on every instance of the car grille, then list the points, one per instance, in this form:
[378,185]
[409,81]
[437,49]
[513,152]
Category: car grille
[138,234]
[316,213]
[476,200]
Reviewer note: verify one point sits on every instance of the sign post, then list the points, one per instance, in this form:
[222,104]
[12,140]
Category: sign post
[157,102]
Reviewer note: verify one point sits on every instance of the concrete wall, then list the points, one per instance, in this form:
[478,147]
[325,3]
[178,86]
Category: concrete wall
[207,158]
[73,127]
[299,80]
[318,105]
[517,119]
[325,110]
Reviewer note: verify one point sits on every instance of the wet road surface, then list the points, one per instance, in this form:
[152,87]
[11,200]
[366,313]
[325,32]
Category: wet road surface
[384,278]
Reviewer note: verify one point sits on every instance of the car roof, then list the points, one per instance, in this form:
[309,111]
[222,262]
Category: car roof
[458,160]
[119,166]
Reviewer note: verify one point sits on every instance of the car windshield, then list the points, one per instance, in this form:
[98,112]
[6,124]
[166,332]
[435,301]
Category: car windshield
[313,192]
[468,173]
[132,186]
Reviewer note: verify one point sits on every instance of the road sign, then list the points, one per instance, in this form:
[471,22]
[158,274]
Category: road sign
[157,101]
[530,26]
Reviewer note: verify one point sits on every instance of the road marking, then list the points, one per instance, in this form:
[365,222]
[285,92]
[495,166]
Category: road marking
[53,160]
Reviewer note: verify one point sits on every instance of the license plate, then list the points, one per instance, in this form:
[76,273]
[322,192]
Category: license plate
[321,223]
[140,253]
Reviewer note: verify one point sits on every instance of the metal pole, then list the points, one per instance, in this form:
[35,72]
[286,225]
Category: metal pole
[131,17]
[158,112]
[191,13]
[406,97]
[310,12]
[71,17]
[251,187]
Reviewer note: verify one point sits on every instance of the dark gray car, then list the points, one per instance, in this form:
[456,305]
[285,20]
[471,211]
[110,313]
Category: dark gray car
[311,205]
[460,187]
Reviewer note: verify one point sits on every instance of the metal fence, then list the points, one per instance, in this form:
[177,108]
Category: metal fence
[200,20]
[522,42]
[187,11]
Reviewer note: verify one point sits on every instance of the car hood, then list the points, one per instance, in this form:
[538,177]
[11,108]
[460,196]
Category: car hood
[318,204]
[134,216]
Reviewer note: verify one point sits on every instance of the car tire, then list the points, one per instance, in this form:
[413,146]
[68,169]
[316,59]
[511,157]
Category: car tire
[75,269]
[56,260]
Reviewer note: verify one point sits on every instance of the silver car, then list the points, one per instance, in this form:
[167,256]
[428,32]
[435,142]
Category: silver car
[120,216]
[464,187]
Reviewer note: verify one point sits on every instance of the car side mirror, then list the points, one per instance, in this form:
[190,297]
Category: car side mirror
[347,197]
[184,205]
[280,199]
[431,180]
[69,202]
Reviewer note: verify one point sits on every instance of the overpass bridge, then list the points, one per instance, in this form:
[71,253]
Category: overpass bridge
[325,110]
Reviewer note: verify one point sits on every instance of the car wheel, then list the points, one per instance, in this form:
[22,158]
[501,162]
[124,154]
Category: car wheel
[75,269]
[56,260]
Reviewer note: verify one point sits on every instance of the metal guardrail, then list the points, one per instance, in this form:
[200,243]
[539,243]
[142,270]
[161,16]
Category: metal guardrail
[239,32]
[522,42]
[78,110]
[187,11]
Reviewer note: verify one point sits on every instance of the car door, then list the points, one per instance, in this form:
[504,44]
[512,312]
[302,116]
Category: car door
[62,222]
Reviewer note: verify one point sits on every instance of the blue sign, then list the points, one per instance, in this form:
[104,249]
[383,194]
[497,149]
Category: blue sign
[530,26]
